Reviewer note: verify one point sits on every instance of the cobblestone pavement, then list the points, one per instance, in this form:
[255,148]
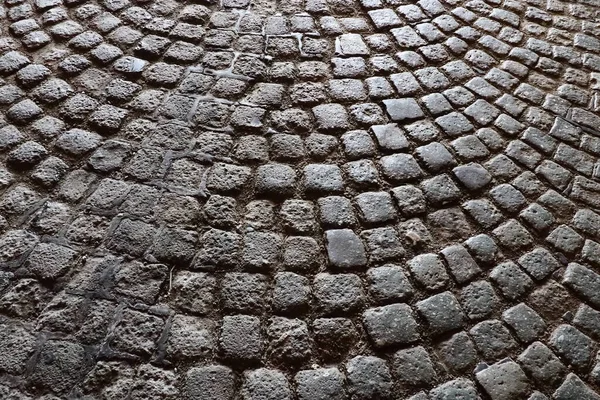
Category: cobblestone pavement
[300,199]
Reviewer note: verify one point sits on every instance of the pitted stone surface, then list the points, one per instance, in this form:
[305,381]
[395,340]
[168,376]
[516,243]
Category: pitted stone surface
[300,199]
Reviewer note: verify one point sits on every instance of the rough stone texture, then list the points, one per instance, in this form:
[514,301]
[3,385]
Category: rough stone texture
[504,380]
[368,378]
[301,199]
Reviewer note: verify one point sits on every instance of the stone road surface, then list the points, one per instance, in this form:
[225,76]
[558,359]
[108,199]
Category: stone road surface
[300,199]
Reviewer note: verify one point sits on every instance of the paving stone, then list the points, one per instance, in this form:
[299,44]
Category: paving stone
[400,167]
[419,396]
[18,345]
[428,271]
[49,261]
[525,322]
[78,142]
[244,293]
[210,382]
[352,45]
[383,243]
[511,280]
[411,59]
[501,167]
[138,280]
[290,293]
[586,319]
[388,283]
[345,249]
[450,224]
[482,112]
[552,300]
[529,185]
[190,338]
[375,207]
[575,347]
[263,383]
[287,147]
[436,103]
[261,249]
[542,365]
[422,131]
[462,266]
[391,325]
[484,212]
[493,339]
[565,239]
[362,173]
[432,79]
[442,312]
[322,178]
[288,341]
[483,249]
[454,124]
[436,157]
[132,237]
[379,87]
[368,377]
[409,199]
[539,263]
[481,86]
[458,353]
[320,384]
[298,216]
[586,221]
[137,333]
[407,37]
[38,296]
[414,367]
[331,117]
[503,380]
[459,96]
[456,388]
[18,199]
[27,155]
[346,90]
[340,293]
[334,337]
[240,338]
[194,292]
[473,176]
[491,138]
[584,190]
[574,388]
[336,211]
[440,190]
[275,179]
[61,365]
[508,198]
[358,144]
[512,235]
[589,252]
[403,109]
[12,61]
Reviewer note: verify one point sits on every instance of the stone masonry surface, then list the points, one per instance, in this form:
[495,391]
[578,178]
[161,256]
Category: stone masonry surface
[300,199]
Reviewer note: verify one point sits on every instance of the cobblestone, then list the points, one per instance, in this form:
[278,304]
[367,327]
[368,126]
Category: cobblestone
[442,312]
[503,380]
[544,367]
[310,199]
[414,367]
[324,383]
